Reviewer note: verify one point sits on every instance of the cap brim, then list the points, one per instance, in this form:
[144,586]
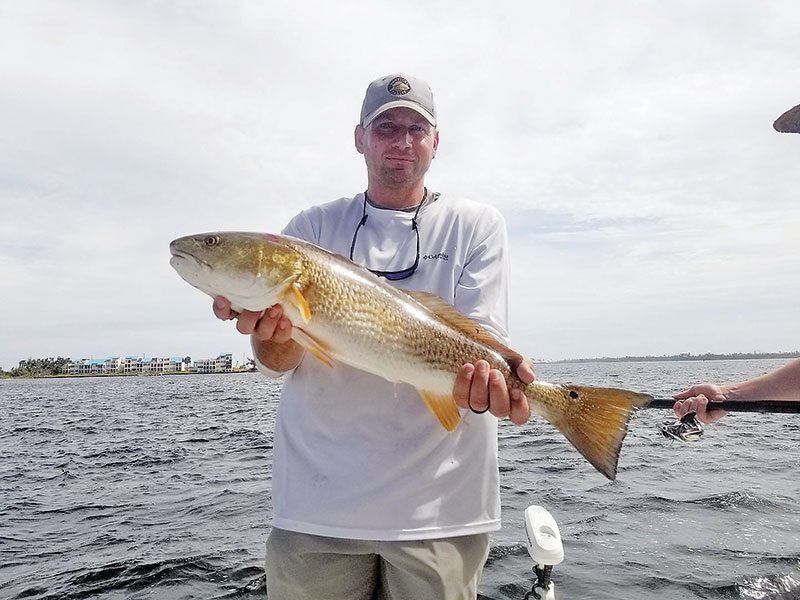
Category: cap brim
[396,104]
[788,122]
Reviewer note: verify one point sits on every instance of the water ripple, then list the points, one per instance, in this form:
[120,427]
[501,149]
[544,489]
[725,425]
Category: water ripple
[118,488]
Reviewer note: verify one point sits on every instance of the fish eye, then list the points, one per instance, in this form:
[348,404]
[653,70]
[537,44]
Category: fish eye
[211,240]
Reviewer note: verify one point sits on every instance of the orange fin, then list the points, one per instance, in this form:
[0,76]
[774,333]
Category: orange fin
[300,302]
[450,315]
[313,346]
[595,420]
[445,409]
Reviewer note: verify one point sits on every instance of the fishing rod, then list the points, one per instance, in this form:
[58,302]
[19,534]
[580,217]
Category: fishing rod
[759,406]
[688,428]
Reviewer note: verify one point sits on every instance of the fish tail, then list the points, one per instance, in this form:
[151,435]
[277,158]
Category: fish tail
[595,420]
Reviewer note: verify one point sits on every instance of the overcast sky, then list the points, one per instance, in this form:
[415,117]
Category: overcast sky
[652,209]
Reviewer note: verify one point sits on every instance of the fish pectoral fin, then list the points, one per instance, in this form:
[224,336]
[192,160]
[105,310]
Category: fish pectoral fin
[300,303]
[444,407]
[313,346]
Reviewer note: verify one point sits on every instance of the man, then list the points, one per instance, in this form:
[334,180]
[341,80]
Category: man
[371,496]
[781,384]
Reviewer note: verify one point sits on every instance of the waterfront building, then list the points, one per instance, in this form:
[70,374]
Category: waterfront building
[134,365]
[93,366]
[222,364]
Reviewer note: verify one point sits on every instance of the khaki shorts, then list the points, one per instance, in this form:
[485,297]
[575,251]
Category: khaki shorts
[310,567]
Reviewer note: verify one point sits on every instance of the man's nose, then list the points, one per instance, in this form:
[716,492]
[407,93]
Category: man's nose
[403,139]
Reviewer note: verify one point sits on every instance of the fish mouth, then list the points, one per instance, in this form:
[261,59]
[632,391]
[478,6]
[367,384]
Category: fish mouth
[183,261]
[181,256]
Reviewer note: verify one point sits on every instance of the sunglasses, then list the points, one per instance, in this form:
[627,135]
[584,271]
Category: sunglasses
[390,275]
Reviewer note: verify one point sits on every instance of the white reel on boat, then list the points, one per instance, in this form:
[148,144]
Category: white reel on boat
[545,548]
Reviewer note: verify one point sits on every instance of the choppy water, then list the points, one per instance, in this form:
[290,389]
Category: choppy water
[159,487]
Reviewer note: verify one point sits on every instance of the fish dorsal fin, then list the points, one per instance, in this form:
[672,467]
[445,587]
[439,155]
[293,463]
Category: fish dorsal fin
[444,407]
[469,327]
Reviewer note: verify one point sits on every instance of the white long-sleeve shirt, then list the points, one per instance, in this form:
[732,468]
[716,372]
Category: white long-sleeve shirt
[358,457]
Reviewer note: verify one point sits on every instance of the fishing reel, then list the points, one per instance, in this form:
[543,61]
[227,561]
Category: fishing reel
[685,429]
[545,548]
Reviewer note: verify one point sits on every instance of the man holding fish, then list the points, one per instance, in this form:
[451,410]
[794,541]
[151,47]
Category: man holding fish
[376,307]
[372,497]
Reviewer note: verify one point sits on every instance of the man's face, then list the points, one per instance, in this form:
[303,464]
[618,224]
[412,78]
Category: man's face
[398,146]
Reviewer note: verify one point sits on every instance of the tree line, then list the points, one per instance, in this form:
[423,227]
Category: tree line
[684,357]
[38,367]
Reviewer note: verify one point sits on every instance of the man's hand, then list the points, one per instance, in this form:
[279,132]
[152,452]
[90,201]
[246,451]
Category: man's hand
[270,331]
[479,388]
[696,400]
[268,325]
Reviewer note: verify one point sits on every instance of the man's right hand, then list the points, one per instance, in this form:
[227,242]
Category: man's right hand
[696,400]
[268,325]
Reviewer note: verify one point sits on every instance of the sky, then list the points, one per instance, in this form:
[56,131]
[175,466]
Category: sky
[651,207]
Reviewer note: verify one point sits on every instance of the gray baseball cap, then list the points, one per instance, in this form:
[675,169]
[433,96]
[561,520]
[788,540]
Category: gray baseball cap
[396,90]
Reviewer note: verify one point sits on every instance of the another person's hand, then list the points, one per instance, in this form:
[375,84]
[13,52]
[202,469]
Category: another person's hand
[696,400]
[478,387]
[268,325]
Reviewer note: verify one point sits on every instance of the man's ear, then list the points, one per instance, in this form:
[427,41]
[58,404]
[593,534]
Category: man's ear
[435,142]
[358,136]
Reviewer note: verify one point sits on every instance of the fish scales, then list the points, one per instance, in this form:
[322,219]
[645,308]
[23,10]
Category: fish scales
[387,325]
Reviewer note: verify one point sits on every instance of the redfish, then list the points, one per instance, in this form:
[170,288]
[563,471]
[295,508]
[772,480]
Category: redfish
[342,313]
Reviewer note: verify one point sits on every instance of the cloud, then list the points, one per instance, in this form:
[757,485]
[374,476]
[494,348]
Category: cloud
[651,206]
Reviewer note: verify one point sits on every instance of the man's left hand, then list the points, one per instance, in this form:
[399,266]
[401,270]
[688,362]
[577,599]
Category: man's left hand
[479,387]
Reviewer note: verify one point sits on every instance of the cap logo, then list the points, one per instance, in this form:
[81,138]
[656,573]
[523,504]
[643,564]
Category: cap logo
[398,87]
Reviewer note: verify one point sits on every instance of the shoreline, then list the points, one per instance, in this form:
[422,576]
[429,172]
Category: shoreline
[687,357]
[5,376]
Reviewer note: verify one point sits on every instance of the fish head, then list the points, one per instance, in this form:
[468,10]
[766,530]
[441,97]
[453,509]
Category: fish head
[249,269]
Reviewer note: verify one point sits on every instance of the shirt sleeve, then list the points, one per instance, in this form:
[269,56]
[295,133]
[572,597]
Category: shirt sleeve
[302,227]
[482,288]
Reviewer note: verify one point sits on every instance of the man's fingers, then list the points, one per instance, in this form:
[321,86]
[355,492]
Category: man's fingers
[700,406]
[283,331]
[479,389]
[710,391]
[525,372]
[222,308]
[246,321]
[684,395]
[462,385]
[520,407]
[268,323]
[692,404]
[498,395]
[679,408]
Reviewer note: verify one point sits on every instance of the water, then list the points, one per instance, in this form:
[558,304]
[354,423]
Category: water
[159,487]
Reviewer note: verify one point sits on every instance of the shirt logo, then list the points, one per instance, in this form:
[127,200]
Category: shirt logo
[440,256]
